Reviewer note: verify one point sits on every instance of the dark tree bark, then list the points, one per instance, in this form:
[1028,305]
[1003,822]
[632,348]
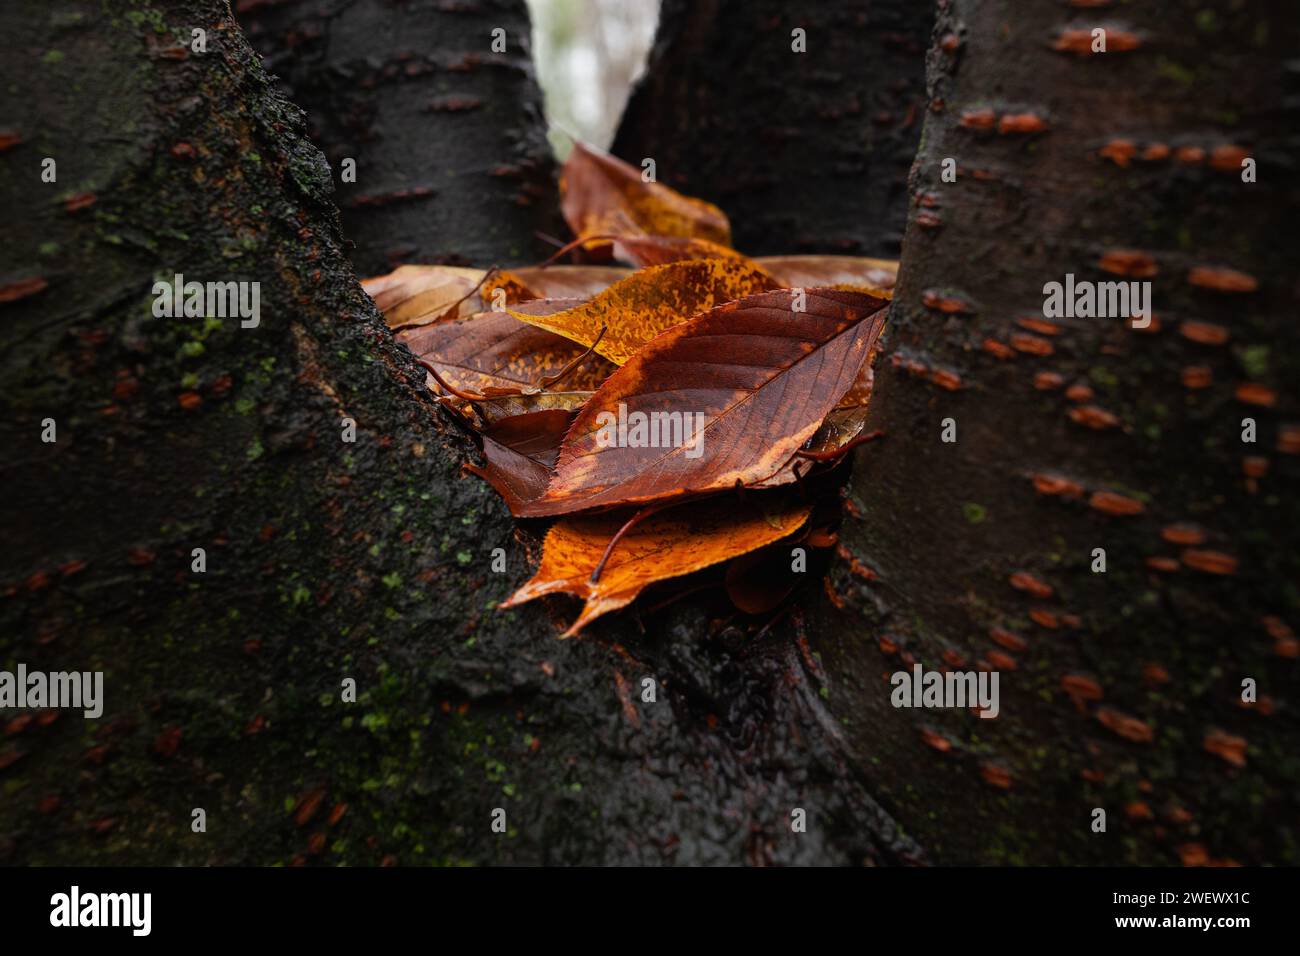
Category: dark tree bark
[806,152]
[325,560]
[370,560]
[1062,432]
[452,162]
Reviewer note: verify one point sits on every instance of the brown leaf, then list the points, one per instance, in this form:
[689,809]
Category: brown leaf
[671,543]
[494,350]
[647,303]
[805,272]
[753,379]
[418,295]
[552,282]
[840,427]
[498,407]
[601,195]
[521,451]
[788,272]
[844,423]
[661,250]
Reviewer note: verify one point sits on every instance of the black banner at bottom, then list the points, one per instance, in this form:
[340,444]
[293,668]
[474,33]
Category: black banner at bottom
[335,906]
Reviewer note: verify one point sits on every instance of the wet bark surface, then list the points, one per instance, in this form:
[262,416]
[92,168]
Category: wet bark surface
[806,152]
[452,163]
[371,560]
[326,560]
[1120,690]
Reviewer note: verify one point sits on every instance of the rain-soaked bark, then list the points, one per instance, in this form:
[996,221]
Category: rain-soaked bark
[446,132]
[1120,690]
[805,151]
[325,561]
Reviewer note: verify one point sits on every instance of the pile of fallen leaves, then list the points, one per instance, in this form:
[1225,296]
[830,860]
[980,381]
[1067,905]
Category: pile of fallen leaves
[669,413]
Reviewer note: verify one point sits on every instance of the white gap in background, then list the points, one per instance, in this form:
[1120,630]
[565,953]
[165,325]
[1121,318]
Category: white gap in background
[588,55]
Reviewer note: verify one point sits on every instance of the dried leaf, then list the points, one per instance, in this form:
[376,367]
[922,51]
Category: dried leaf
[493,350]
[671,543]
[852,272]
[840,427]
[749,382]
[844,423]
[647,303]
[521,452]
[552,282]
[660,250]
[418,295]
[500,407]
[601,195]
[805,272]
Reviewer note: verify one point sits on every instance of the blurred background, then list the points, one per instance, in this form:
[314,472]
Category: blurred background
[589,53]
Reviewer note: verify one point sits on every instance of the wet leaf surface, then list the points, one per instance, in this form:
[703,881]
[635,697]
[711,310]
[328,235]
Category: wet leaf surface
[749,382]
[647,303]
[669,544]
[418,295]
[494,350]
[602,195]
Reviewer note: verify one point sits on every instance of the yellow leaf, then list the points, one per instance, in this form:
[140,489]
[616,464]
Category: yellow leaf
[648,302]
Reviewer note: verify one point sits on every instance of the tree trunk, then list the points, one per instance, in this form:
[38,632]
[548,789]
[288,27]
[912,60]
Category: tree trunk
[325,560]
[329,560]
[452,162]
[1120,690]
[805,151]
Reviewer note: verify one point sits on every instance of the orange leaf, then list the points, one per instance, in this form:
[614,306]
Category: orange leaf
[601,195]
[421,295]
[665,545]
[500,407]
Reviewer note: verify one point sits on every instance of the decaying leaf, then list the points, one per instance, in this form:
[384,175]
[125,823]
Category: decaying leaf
[853,272]
[493,351]
[673,542]
[724,399]
[418,295]
[830,271]
[844,424]
[635,310]
[521,452]
[736,372]
[500,407]
[601,195]
[551,282]
[834,434]
[660,250]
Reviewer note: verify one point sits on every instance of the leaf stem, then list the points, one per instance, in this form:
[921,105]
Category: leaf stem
[843,450]
[463,396]
[631,522]
[563,373]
